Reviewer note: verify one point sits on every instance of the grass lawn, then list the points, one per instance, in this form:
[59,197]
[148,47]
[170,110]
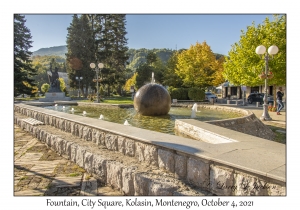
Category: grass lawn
[118,100]
[27,99]
[114,100]
[280,137]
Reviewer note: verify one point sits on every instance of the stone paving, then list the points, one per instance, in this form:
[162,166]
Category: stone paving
[38,171]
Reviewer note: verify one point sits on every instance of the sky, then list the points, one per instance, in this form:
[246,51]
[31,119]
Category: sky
[171,31]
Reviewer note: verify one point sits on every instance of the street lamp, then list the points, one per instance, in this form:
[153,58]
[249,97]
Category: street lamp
[79,79]
[260,50]
[97,69]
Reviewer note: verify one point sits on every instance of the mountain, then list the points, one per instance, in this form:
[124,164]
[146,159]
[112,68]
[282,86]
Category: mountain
[58,50]
[136,56]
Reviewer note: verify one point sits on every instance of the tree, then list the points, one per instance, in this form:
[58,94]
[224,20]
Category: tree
[23,70]
[151,58]
[34,89]
[243,65]
[144,75]
[218,75]
[80,45]
[98,38]
[130,82]
[196,66]
[111,48]
[170,78]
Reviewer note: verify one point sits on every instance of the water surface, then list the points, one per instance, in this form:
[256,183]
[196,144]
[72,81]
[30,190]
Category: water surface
[164,124]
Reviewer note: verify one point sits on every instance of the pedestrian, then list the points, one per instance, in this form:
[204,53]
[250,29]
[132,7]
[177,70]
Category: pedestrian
[279,96]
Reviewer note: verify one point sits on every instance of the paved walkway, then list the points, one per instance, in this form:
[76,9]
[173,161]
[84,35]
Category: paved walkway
[40,171]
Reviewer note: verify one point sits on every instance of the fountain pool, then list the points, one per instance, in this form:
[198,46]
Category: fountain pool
[164,123]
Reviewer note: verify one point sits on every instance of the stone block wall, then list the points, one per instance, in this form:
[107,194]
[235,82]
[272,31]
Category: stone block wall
[215,177]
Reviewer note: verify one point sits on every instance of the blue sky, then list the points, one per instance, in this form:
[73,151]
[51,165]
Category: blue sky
[154,30]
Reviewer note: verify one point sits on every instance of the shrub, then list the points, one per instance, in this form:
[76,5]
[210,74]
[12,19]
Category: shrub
[179,93]
[45,87]
[92,97]
[196,94]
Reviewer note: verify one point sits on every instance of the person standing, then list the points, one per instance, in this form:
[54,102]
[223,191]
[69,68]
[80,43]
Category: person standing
[279,96]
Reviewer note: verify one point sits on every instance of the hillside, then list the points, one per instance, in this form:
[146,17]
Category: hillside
[58,50]
[136,56]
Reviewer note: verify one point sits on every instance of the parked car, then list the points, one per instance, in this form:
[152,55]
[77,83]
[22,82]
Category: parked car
[209,95]
[259,97]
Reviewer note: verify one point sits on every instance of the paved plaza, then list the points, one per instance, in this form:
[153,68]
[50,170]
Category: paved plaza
[38,171]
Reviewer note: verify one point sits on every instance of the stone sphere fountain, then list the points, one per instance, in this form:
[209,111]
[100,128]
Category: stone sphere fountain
[152,100]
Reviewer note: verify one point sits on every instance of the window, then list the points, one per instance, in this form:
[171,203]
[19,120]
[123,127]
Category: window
[233,91]
[254,89]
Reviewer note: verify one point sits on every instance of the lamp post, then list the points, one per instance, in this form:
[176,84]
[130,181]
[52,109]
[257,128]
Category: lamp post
[97,69]
[79,79]
[261,50]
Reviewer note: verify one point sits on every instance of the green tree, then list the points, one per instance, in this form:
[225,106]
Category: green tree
[243,65]
[151,58]
[80,45]
[41,76]
[111,43]
[23,69]
[98,38]
[144,75]
[170,78]
[196,66]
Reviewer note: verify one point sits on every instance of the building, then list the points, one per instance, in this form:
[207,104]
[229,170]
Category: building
[227,90]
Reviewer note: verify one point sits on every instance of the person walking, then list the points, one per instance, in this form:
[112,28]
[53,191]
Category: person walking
[279,96]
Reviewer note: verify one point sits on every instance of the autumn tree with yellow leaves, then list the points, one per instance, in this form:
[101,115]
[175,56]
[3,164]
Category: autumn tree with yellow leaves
[198,67]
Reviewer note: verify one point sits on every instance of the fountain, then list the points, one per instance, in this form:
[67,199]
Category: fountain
[126,122]
[194,110]
[163,124]
[152,99]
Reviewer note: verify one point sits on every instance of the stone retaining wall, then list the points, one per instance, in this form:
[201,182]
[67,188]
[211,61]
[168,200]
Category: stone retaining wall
[200,172]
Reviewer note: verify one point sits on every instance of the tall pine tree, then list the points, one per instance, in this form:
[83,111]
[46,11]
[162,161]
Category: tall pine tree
[110,45]
[23,69]
[120,49]
[80,54]
[98,38]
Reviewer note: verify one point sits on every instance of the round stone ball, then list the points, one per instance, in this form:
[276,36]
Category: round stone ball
[152,100]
